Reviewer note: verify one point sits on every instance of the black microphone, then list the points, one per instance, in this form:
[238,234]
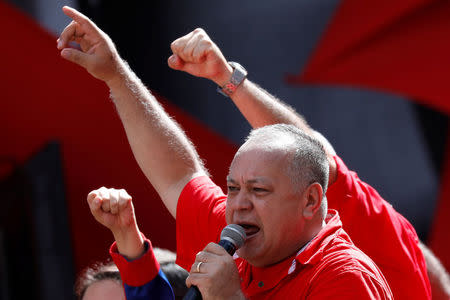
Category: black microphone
[232,238]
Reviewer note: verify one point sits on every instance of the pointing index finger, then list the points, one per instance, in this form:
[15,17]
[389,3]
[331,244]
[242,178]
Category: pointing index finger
[75,15]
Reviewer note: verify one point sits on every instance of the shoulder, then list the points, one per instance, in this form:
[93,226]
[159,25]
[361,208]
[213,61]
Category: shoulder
[200,191]
[346,272]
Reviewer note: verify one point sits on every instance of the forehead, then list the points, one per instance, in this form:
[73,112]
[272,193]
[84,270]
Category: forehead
[104,289]
[259,163]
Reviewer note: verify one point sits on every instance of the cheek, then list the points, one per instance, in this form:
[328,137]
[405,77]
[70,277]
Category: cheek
[267,212]
[228,213]
[278,219]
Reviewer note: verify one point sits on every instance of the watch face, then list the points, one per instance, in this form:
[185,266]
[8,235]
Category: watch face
[236,65]
[239,73]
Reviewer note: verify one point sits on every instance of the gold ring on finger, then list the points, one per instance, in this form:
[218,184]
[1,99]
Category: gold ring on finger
[198,266]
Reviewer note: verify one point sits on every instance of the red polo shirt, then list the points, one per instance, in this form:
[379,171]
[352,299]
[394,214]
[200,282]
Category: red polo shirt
[329,266]
[381,233]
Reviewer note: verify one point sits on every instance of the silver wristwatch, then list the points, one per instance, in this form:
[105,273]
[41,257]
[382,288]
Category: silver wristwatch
[238,75]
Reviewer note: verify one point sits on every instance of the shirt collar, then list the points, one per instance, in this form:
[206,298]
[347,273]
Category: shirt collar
[260,279]
[313,253]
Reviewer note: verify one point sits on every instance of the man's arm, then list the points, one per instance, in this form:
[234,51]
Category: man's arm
[161,148]
[439,278]
[196,54]
[139,270]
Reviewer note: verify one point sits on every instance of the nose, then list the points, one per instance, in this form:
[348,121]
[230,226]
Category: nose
[241,201]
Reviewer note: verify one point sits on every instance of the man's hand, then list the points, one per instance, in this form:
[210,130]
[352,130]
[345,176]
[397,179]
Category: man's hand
[114,209]
[215,274]
[196,54]
[98,54]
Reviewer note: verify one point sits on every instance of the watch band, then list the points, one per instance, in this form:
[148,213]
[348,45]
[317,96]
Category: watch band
[238,75]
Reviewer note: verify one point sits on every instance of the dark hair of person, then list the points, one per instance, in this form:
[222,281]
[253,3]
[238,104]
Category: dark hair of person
[97,272]
[174,273]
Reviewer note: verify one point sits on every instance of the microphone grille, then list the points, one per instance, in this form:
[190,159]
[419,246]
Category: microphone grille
[235,233]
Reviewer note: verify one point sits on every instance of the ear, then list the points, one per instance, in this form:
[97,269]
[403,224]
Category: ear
[314,196]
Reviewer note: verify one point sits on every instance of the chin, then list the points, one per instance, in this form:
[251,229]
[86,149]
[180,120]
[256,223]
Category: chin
[250,256]
[244,252]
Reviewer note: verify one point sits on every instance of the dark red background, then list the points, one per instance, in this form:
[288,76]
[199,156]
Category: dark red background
[44,98]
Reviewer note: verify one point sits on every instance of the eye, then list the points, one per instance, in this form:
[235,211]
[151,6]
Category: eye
[259,190]
[232,188]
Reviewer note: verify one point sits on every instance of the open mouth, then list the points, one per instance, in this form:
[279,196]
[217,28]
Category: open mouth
[250,229]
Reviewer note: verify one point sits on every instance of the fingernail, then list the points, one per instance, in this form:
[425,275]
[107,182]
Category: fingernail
[96,201]
[60,44]
[65,53]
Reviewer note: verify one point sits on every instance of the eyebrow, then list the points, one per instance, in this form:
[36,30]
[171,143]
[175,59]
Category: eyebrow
[250,181]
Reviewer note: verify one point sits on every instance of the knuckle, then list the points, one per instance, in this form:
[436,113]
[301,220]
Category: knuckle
[211,245]
[193,271]
[198,30]
[75,57]
[222,263]
[207,43]
[175,45]
[206,47]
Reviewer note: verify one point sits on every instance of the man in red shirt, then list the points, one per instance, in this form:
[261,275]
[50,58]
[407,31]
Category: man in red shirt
[287,254]
[162,150]
[374,226]
[275,192]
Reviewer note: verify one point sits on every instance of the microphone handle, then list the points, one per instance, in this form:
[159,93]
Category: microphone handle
[193,294]
[228,246]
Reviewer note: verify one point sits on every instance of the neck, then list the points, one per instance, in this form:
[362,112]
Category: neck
[313,229]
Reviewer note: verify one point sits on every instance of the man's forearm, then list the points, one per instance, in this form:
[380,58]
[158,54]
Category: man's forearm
[260,108]
[160,147]
[129,242]
[162,150]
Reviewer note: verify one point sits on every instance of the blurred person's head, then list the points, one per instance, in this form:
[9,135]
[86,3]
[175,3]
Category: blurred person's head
[100,281]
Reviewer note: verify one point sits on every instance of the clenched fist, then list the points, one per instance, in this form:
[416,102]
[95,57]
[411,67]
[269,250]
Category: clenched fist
[114,209]
[196,54]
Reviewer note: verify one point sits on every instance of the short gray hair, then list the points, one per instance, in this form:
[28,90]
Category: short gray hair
[309,161]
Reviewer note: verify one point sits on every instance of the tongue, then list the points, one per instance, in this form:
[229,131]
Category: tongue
[250,230]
